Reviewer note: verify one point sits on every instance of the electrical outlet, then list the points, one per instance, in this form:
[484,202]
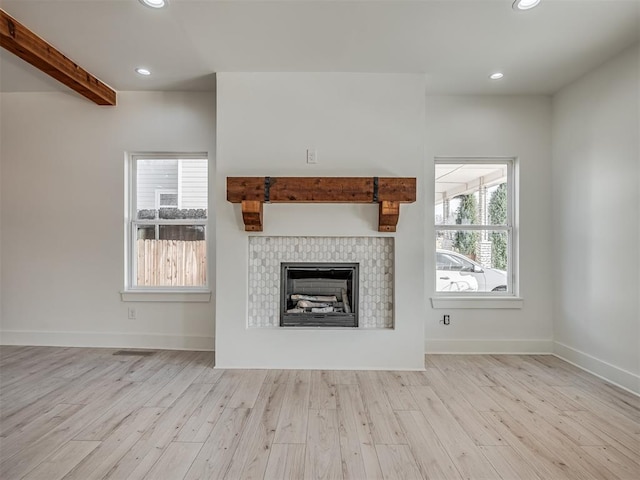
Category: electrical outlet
[132,313]
[312,155]
[446,319]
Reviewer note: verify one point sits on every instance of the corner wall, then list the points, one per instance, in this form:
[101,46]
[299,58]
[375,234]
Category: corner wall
[62,211]
[596,225]
[497,126]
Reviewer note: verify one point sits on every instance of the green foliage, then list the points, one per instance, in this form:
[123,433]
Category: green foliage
[498,216]
[466,214]
[498,205]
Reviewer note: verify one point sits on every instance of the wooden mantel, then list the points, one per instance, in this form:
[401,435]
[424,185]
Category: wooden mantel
[254,192]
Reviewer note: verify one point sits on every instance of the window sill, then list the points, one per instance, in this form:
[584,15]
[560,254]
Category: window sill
[184,296]
[477,302]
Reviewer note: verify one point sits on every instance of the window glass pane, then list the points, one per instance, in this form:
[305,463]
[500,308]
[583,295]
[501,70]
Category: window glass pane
[171,188]
[166,250]
[471,261]
[181,232]
[471,194]
[146,232]
[178,258]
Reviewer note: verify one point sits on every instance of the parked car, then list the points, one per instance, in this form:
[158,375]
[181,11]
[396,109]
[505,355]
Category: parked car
[457,273]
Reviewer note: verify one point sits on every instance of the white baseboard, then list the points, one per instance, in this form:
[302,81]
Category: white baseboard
[606,371]
[489,346]
[109,340]
[316,367]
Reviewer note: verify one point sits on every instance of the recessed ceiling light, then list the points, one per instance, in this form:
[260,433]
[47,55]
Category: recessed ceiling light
[143,71]
[496,76]
[154,3]
[525,4]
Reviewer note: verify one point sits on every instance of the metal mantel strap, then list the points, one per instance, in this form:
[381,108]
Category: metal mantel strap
[375,189]
[267,188]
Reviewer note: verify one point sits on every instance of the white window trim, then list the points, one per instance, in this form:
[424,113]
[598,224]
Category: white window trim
[488,300]
[444,302]
[173,295]
[131,292]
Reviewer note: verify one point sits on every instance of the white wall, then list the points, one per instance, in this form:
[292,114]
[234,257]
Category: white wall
[485,126]
[1,150]
[596,178]
[361,125]
[62,272]
[62,213]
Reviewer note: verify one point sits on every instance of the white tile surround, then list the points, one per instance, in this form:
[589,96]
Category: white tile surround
[374,254]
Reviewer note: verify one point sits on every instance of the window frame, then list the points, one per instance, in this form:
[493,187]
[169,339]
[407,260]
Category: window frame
[132,291]
[510,227]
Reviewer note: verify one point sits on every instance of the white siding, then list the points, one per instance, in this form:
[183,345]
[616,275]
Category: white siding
[155,175]
[193,183]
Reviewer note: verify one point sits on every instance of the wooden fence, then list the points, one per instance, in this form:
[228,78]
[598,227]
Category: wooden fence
[172,263]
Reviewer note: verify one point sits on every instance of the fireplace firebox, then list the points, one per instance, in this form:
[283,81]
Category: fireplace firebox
[319,295]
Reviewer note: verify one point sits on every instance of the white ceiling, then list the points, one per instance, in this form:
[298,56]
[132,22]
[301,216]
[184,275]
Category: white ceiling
[455,43]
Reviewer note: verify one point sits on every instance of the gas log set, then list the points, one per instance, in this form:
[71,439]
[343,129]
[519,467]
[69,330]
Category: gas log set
[320,303]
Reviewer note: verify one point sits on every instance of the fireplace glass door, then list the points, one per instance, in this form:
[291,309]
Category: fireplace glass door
[319,295]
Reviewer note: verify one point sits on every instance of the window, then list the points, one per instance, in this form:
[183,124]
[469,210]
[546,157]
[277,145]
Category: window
[166,198]
[167,221]
[474,225]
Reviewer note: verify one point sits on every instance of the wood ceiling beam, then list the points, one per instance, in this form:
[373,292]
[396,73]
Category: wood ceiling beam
[24,43]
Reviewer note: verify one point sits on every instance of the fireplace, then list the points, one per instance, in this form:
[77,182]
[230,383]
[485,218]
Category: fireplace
[319,294]
[373,255]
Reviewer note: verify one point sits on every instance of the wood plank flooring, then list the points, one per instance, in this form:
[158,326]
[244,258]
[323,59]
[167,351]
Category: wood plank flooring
[82,413]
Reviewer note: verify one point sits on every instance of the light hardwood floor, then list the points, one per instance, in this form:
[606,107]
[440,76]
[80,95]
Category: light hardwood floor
[80,413]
